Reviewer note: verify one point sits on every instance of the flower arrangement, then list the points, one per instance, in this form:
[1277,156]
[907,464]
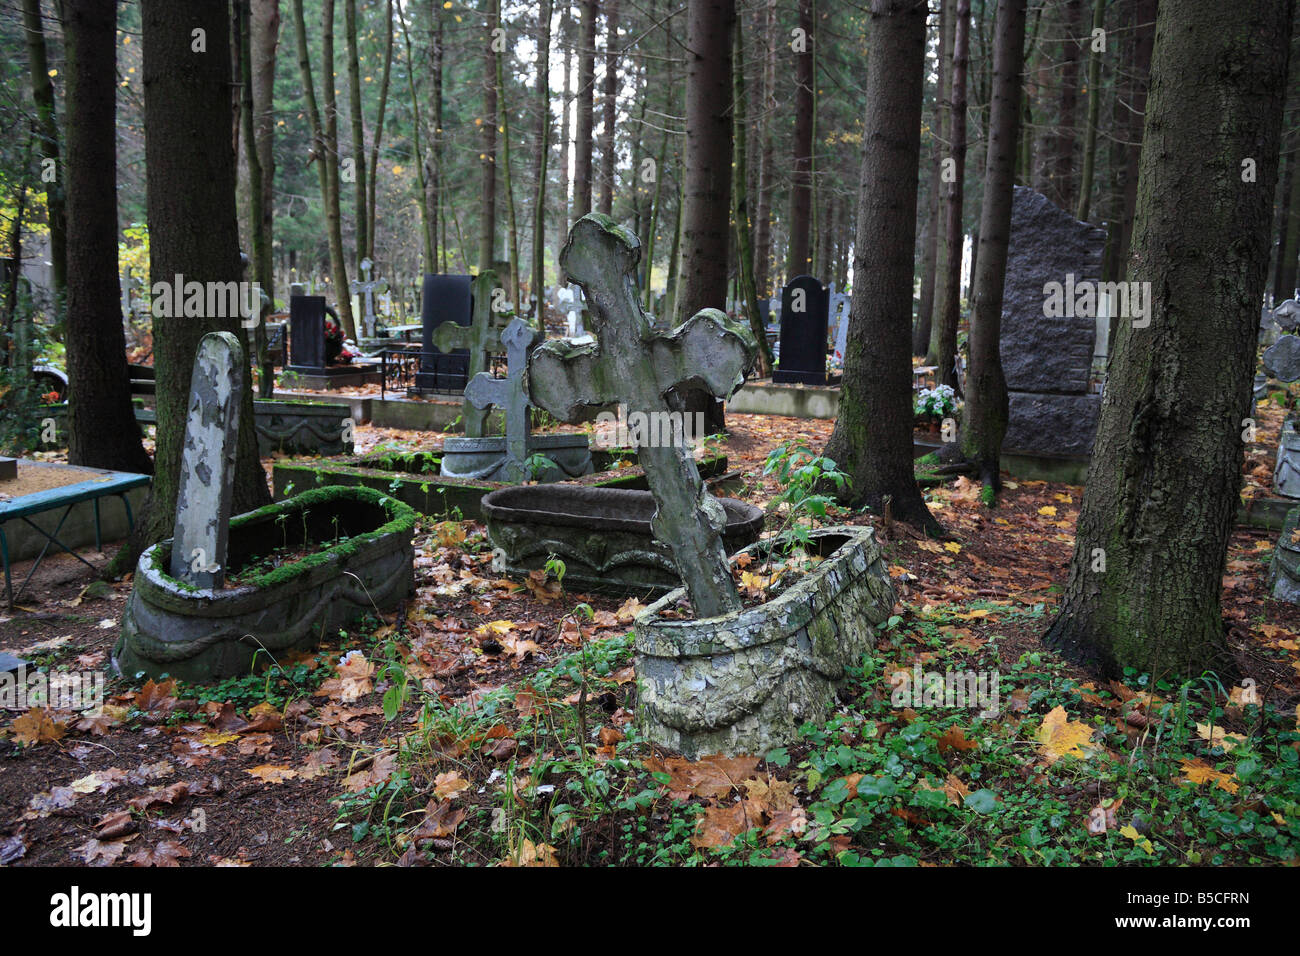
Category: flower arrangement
[937,402]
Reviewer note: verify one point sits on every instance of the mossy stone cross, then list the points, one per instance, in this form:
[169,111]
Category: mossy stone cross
[632,364]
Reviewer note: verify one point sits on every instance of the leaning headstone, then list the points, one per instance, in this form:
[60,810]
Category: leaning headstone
[805,311]
[208,463]
[476,341]
[445,299]
[631,363]
[1047,359]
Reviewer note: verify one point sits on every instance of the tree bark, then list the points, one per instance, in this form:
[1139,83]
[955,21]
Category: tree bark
[740,211]
[767,156]
[609,109]
[103,432]
[949,314]
[264,39]
[488,150]
[800,219]
[358,123]
[872,440]
[582,144]
[1143,27]
[1064,187]
[566,38]
[48,126]
[428,218]
[1146,578]
[512,224]
[543,138]
[1094,107]
[985,423]
[371,198]
[932,262]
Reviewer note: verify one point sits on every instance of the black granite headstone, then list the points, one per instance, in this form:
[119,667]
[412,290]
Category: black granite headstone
[805,310]
[445,298]
[307,334]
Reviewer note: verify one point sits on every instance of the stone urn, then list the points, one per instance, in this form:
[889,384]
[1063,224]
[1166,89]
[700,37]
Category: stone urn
[358,558]
[484,459]
[603,535]
[744,682]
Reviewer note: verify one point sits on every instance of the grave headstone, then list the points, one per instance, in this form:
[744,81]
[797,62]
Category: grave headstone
[365,289]
[307,334]
[445,299]
[1047,361]
[207,476]
[476,341]
[631,363]
[805,308]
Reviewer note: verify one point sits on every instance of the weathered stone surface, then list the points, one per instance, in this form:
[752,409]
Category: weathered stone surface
[10,663]
[301,428]
[204,635]
[633,364]
[1287,315]
[1282,359]
[208,462]
[1041,354]
[602,534]
[1284,573]
[1041,423]
[1286,473]
[743,682]
[550,458]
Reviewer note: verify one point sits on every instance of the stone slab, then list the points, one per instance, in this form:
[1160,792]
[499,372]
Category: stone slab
[1048,424]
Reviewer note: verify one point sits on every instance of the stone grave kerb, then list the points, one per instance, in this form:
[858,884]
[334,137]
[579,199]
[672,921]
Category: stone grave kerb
[510,394]
[206,485]
[631,363]
[479,339]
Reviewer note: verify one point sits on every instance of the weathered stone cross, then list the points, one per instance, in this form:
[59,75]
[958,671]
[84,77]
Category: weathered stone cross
[478,337]
[366,287]
[633,364]
[208,463]
[510,395]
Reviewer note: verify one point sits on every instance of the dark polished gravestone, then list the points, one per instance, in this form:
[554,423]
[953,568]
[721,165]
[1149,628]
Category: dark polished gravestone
[309,353]
[805,311]
[445,298]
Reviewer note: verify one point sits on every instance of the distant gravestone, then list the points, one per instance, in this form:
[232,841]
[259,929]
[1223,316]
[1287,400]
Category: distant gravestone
[632,364]
[805,310]
[207,475]
[477,341]
[1047,361]
[307,334]
[509,394]
[444,299]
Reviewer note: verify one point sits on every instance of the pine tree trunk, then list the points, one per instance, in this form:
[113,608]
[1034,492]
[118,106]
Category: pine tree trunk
[800,219]
[48,126]
[933,251]
[767,156]
[103,432]
[191,174]
[582,144]
[1146,578]
[1143,27]
[543,140]
[566,38]
[379,132]
[1063,182]
[512,223]
[949,314]
[428,216]
[740,211]
[1094,107]
[488,150]
[264,39]
[609,109]
[872,440]
[985,423]
[361,193]
[1285,281]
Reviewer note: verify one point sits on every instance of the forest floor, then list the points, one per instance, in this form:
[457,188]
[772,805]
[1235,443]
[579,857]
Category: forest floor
[490,722]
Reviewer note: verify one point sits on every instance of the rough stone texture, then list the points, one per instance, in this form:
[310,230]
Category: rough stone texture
[553,458]
[602,534]
[299,428]
[478,341]
[1286,473]
[1041,423]
[632,363]
[1282,359]
[1041,354]
[743,682]
[1284,573]
[208,462]
[205,635]
[805,310]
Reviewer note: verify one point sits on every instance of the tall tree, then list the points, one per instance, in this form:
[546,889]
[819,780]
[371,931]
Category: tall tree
[264,39]
[379,130]
[740,209]
[543,149]
[512,223]
[609,110]
[1094,108]
[954,237]
[488,149]
[799,250]
[767,155]
[1146,578]
[932,248]
[48,127]
[985,419]
[1062,180]
[190,165]
[102,423]
[358,123]
[872,439]
[582,140]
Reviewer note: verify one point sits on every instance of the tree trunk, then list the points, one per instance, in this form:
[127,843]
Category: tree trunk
[264,39]
[543,137]
[488,150]
[954,236]
[740,210]
[566,37]
[102,428]
[1143,26]
[932,250]
[1285,281]
[191,179]
[766,162]
[1094,107]
[512,223]
[361,193]
[428,220]
[609,107]
[800,220]
[48,126]
[872,440]
[985,423]
[379,131]
[1146,579]
[1064,188]
[582,145]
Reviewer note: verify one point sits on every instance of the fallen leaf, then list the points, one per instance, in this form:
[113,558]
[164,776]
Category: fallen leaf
[272,773]
[1059,736]
[37,726]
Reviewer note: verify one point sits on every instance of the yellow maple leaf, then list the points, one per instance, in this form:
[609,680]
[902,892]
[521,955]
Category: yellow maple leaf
[215,738]
[1048,510]
[272,773]
[1198,772]
[447,785]
[494,627]
[1059,736]
[952,546]
[1218,737]
[37,727]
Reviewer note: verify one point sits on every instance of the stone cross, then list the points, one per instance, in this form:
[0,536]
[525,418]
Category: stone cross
[509,394]
[478,337]
[631,363]
[365,288]
[208,463]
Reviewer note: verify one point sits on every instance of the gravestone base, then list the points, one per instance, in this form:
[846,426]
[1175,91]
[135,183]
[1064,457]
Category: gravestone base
[744,682]
[300,428]
[333,376]
[567,456]
[1048,424]
[1284,573]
